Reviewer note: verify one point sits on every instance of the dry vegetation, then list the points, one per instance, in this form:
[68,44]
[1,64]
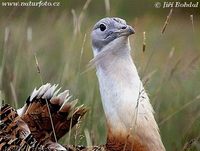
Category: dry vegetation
[169,65]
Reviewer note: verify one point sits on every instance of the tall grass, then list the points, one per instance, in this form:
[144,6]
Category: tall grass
[169,66]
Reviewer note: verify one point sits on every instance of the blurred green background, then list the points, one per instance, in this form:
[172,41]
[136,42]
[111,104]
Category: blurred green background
[60,37]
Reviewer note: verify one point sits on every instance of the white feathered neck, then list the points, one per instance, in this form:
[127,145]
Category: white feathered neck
[125,102]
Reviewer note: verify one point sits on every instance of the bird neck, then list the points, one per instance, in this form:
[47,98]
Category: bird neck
[120,86]
[126,105]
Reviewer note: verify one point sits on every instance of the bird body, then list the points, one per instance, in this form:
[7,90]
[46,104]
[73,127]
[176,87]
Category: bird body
[30,128]
[129,114]
[46,116]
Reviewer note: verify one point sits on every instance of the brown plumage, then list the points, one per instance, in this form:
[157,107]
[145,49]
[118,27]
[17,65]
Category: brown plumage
[32,130]
[30,127]
[15,134]
[120,142]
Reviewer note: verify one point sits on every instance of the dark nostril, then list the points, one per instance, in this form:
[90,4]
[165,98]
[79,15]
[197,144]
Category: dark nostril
[124,27]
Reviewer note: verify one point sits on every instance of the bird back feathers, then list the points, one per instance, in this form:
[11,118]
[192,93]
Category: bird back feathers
[32,126]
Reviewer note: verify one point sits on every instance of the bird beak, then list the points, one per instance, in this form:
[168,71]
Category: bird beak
[131,30]
[127,31]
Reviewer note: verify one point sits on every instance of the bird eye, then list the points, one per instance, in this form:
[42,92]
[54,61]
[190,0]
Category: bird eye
[102,27]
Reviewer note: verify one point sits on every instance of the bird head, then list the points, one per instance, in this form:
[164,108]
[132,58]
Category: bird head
[108,30]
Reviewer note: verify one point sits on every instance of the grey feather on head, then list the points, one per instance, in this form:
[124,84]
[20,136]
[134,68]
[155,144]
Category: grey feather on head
[106,33]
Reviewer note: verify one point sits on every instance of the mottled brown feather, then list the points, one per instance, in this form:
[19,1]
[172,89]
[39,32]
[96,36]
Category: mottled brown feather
[123,142]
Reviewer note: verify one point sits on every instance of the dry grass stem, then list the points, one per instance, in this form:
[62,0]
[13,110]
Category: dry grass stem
[179,110]
[107,7]
[14,94]
[75,21]
[88,138]
[132,129]
[81,16]
[189,144]
[1,98]
[6,35]
[69,133]
[174,68]
[29,34]
[6,38]
[144,42]
[167,21]
[29,38]
[39,72]
[171,53]
[192,21]
[36,63]
[82,50]
[77,126]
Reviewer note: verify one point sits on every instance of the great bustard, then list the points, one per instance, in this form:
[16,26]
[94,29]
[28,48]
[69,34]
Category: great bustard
[129,114]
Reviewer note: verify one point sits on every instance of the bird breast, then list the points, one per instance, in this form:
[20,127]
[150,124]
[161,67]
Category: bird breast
[119,87]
